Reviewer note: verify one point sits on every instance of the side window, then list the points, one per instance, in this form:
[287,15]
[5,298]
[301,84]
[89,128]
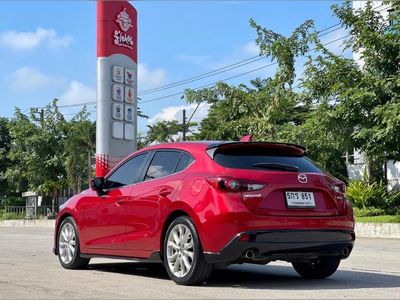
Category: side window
[185,160]
[163,164]
[128,173]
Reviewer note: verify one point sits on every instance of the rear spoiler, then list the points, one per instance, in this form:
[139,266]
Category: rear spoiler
[284,148]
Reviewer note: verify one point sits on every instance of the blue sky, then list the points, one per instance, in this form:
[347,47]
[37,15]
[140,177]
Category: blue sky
[48,48]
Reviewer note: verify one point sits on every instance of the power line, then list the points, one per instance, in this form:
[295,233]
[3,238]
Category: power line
[236,76]
[235,65]
[71,105]
[238,64]
[224,69]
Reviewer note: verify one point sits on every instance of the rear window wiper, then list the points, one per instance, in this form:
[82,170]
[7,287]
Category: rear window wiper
[276,166]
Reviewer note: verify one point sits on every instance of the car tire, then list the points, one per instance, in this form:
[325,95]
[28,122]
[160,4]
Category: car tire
[68,246]
[320,268]
[183,255]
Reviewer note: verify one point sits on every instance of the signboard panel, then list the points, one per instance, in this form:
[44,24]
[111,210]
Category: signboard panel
[129,94]
[116,123]
[118,92]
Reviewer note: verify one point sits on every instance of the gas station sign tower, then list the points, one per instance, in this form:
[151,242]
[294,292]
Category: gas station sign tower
[116,120]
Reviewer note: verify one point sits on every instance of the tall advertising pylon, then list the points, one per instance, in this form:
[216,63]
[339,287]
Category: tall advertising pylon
[116,120]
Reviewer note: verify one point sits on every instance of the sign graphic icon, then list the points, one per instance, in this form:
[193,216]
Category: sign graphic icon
[124,20]
[117,92]
[118,74]
[129,77]
[128,113]
[129,94]
[117,111]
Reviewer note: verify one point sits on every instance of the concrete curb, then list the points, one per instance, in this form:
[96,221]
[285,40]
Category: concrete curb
[28,223]
[367,230]
[378,230]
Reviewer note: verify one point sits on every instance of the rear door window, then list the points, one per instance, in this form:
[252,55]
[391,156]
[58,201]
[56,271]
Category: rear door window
[163,163]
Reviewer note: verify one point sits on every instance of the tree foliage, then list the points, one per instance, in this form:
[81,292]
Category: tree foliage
[48,154]
[336,105]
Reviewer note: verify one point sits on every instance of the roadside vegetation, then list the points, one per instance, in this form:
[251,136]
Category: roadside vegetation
[330,103]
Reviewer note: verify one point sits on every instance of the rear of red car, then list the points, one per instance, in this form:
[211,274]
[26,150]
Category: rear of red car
[282,205]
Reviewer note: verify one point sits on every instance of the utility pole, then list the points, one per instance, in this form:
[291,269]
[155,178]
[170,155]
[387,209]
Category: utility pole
[41,116]
[184,125]
[89,167]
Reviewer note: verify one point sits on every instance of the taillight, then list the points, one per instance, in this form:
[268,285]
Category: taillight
[339,188]
[229,184]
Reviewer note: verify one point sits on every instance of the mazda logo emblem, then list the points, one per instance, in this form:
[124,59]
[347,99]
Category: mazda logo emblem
[302,178]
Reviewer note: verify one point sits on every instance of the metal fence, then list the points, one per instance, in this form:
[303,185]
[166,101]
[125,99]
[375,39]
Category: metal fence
[24,212]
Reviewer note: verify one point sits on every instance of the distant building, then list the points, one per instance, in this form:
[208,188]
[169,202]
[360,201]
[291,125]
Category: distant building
[356,166]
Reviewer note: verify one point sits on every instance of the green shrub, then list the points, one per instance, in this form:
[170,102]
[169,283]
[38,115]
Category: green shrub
[369,212]
[368,195]
[12,216]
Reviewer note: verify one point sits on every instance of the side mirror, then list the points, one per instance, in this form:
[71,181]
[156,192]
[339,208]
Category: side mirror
[97,184]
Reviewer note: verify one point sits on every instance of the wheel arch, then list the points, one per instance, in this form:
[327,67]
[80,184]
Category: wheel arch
[63,216]
[181,209]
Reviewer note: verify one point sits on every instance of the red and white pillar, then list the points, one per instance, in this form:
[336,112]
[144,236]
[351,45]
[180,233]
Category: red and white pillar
[116,120]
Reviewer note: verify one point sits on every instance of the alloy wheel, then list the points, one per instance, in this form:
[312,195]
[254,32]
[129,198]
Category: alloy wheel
[180,250]
[67,243]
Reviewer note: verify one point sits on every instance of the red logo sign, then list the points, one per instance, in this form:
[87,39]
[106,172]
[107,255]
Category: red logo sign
[116,29]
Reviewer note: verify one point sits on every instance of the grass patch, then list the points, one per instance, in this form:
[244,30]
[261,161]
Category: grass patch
[379,219]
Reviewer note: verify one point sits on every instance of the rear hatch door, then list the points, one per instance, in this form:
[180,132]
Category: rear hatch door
[291,184]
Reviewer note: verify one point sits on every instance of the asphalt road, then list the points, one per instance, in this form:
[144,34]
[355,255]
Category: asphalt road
[28,269]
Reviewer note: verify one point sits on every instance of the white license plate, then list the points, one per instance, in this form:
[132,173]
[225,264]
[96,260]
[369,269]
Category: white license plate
[299,199]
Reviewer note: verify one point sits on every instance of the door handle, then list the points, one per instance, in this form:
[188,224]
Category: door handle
[165,191]
[120,202]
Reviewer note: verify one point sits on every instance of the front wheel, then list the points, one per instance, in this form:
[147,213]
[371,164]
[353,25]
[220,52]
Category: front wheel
[68,246]
[183,255]
[321,267]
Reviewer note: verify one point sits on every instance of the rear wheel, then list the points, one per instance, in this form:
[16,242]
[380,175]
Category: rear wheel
[183,255]
[320,268]
[69,247]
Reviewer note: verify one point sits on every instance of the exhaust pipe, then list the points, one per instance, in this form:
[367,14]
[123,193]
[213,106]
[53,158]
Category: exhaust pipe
[249,254]
[345,252]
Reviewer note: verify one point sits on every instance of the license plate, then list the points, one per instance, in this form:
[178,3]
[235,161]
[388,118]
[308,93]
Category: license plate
[300,199]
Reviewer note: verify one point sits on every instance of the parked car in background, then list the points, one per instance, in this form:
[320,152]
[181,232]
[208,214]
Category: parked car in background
[198,205]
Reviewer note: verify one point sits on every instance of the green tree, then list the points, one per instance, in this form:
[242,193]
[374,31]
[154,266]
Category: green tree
[5,145]
[365,97]
[80,145]
[165,131]
[37,151]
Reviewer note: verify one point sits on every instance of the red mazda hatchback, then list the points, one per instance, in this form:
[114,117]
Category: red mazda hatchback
[197,205]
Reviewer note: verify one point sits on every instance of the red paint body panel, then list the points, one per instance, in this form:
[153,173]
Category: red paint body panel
[129,221]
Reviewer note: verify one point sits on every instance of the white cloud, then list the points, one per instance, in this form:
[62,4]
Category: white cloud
[29,79]
[251,48]
[29,40]
[148,79]
[78,92]
[171,113]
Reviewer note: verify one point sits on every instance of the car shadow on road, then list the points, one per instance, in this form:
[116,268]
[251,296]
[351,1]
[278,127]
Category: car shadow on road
[154,270]
[264,277]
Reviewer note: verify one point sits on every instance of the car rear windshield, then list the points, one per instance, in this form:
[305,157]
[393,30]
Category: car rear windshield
[262,159]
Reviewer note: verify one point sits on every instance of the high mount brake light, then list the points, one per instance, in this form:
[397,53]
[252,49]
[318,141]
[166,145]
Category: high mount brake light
[228,184]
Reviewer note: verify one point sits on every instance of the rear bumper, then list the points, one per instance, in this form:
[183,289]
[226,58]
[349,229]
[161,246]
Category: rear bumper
[288,245]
